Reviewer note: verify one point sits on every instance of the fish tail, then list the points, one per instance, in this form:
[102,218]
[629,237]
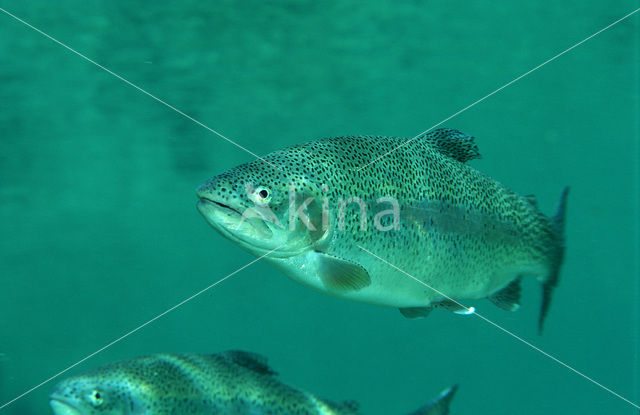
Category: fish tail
[557,255]
[440,405]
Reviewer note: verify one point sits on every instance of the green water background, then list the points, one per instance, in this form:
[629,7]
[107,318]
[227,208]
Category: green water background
[99,231]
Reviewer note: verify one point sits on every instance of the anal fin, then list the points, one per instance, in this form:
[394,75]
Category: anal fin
[508,298]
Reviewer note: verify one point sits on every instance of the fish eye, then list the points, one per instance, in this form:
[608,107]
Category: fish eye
[96,398]
[262,196]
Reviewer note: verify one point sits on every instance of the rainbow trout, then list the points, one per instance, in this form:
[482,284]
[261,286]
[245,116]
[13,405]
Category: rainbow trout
[229,383]
[421,208]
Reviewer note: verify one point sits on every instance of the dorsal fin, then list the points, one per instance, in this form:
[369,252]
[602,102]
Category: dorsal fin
[350,406]
[452,143]
[440,405]
[251,361]
[532,200]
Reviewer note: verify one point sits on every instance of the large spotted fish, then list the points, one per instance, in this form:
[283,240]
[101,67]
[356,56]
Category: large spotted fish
[229,383]
[421,207]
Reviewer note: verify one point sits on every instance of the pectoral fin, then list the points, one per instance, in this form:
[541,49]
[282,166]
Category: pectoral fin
[342,275]
[508,298]
[415,312]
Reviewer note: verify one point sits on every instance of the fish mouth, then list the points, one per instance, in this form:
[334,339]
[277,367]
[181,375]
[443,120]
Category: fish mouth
[204,201]
[62,406]
[250,232]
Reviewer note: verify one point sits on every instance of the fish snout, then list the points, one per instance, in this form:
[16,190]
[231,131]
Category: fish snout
[221,190]
[61,400]
[223,197]
[205,189]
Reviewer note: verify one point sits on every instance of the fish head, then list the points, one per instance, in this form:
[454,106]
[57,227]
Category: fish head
[262,208]
[89,395]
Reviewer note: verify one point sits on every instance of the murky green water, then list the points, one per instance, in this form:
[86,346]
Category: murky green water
[99,231]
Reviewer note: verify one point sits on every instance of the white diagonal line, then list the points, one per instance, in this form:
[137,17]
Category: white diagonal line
[138,88]
[501,88]
[555,359]
[136,329]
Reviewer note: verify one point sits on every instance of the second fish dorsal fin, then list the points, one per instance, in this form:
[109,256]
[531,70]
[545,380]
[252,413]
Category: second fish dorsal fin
[452,143]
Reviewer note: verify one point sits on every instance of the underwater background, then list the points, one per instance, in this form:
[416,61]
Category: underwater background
[99,230]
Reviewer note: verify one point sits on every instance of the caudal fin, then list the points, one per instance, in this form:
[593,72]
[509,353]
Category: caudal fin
[440,405]
[557,223]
